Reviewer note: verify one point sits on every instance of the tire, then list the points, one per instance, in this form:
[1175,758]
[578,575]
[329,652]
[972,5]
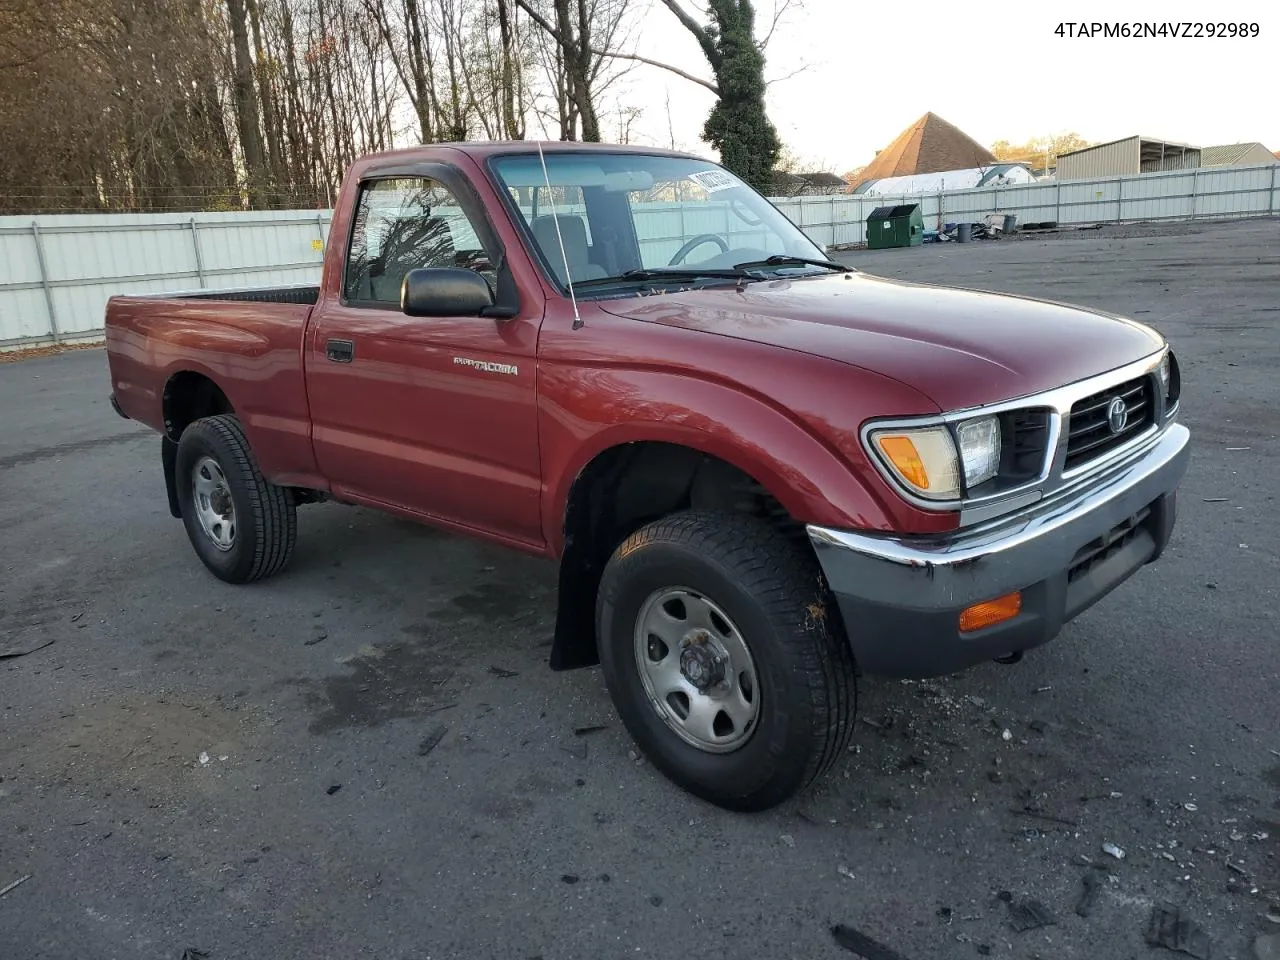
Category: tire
[216,470]
[769,593]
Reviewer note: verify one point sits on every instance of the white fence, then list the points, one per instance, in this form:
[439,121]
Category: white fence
[56,272]
[1182,195]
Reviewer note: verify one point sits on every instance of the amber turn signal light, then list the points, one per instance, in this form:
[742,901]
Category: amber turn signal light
[903,455]
[990,612]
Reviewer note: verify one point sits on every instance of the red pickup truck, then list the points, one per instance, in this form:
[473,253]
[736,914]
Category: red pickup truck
[759,471]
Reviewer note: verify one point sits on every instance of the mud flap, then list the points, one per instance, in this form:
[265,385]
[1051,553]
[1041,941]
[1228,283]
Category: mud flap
[574,645]
[169,457]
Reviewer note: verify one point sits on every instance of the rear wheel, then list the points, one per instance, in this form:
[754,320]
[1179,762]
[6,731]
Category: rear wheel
[242,527]
[723,660]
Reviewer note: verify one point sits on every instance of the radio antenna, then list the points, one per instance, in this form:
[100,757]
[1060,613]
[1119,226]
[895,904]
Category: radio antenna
[564,257]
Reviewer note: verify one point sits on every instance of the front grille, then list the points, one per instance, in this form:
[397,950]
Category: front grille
[1089,431]
[1024,438]
[1106,546]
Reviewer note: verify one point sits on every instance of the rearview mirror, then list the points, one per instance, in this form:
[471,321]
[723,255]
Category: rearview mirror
[444,292]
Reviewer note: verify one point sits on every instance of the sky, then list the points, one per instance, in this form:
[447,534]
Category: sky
[996,70]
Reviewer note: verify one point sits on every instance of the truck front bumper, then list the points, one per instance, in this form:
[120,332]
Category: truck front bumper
[901,597]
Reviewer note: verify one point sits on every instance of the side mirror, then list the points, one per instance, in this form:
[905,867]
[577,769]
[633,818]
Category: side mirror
[444,292]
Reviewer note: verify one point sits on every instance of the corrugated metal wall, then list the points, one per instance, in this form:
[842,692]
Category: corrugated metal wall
[56,272]
[63,268]
[1108,160]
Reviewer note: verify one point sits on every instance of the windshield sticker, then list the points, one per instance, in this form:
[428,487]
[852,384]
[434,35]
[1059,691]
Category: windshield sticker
[713,181]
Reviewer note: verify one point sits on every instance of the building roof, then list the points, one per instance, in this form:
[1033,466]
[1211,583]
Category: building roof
[1226,154]
[947,179]
[930,145]
[809,179]
[1143,140]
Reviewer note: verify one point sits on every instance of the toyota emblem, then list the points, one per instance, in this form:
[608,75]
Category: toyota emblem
[1117,414]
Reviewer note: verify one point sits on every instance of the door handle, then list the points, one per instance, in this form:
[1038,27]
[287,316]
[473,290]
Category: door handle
[340,351]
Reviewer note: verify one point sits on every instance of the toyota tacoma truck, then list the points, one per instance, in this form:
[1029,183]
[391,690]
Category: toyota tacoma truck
[760,472]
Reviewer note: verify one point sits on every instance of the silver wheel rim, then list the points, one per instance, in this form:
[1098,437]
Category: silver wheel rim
[697,670]
[214,508]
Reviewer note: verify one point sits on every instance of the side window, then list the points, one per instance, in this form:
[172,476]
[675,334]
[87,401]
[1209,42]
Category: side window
[402,224]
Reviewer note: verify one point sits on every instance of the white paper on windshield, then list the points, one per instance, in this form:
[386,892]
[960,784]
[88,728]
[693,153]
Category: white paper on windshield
[713,181]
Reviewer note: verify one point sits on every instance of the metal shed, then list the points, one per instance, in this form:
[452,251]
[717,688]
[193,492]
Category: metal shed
[1125,157]
[901,225]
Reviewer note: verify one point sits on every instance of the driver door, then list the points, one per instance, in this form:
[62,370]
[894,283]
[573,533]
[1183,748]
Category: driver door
[435,416]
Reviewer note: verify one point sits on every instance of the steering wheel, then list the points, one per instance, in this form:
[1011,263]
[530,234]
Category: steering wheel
[697,241]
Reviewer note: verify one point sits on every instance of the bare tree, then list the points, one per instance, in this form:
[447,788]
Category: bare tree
[587,35]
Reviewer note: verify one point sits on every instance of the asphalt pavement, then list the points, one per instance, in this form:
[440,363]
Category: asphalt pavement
[367,757]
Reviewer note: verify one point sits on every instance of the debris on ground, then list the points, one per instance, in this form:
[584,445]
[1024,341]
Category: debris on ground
[22,649]
[1032,812]
[857,942]
[333,788]
[191,953]
[787,839]
[656,900]
[1113,850]
[1168,928]
[570,878]
[1089,895]
[320,634]
[504,673]
[432,740]
[1028,914]
[204,759]
[594,728]
[1007,735]
[844,871]
[17,883]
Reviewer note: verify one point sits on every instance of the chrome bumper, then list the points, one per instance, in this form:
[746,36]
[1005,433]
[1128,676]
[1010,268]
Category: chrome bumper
[901,596]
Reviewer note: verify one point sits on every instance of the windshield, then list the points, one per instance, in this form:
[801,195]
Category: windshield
[630,217]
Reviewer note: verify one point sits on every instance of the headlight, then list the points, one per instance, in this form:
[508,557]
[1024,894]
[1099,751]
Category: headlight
[926,461]
[1166,374]
[979,449]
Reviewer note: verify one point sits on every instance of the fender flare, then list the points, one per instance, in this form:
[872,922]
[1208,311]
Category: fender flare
[807,476]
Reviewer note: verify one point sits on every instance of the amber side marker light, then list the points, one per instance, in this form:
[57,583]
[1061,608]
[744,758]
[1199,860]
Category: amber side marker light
[990,612]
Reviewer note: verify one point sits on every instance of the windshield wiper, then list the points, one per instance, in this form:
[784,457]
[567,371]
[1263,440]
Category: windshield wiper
[741,272]
[783,260]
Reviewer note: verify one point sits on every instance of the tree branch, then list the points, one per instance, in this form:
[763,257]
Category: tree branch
[699,33]
[778,11]
[541,21]
[794,73]
[661,66]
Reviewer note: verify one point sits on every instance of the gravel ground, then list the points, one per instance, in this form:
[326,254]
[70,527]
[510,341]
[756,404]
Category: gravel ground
[367,757]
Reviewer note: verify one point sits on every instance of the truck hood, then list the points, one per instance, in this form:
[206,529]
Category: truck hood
[960,348]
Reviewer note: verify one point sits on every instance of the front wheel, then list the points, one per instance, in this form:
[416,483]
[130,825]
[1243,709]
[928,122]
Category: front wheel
[242,527]
[723,660]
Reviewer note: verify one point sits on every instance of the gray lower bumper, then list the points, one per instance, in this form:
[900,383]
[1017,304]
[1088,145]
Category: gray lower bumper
[901,597]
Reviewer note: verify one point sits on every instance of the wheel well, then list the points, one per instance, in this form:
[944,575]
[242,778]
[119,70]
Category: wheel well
[620,491]
[189,396]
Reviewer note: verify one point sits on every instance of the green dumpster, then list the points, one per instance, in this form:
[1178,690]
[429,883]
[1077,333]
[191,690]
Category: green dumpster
[897,226]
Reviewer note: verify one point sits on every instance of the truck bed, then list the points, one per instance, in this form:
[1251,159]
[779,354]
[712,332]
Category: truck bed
[249,342]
